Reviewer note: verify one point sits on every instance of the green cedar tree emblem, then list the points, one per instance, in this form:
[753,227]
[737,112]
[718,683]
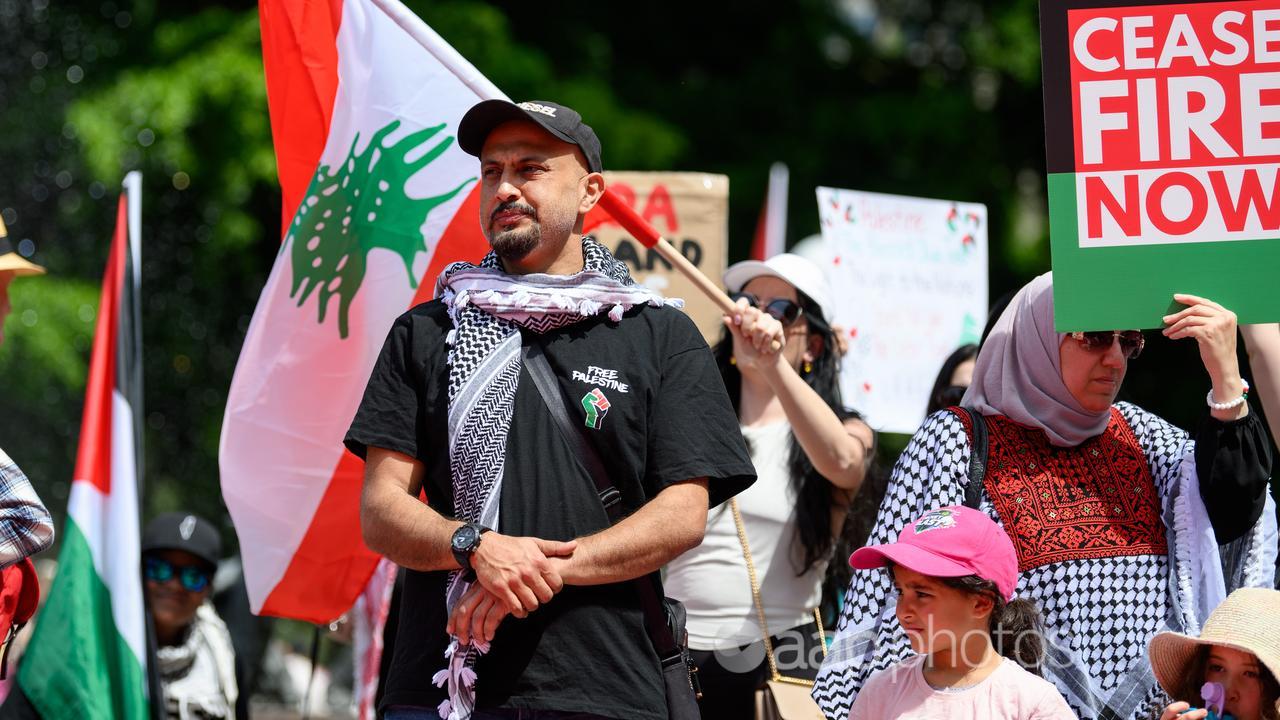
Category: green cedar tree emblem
[358,206]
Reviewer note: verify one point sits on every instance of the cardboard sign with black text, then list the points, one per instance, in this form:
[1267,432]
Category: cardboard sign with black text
[1162,124]
[691,210]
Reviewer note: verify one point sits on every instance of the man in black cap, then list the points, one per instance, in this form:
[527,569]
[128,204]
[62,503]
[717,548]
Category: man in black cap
[194,655]
[513,524]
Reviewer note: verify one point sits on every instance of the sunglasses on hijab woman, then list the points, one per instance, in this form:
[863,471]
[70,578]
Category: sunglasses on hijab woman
[1131,341]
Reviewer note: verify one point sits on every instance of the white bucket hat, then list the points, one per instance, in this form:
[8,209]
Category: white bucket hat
[799,272]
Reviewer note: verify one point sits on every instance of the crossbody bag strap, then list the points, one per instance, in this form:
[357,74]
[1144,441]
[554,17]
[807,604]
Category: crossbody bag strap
[977,455]
[774,675]
[655,614]
[545,379]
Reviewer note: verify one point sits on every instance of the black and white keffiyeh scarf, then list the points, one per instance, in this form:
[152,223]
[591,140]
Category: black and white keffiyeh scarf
[199,675]
[488,308]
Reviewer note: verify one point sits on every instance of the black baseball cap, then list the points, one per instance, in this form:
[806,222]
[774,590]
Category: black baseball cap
[183,531]
[559,120]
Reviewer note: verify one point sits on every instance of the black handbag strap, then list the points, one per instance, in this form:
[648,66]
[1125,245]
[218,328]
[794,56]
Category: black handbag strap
[655,614]
[544,378]
[977,455]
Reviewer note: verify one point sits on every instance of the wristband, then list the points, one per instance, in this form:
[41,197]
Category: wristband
[1228,405]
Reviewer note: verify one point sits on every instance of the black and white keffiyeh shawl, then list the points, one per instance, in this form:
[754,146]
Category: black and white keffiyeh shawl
[1099,613]
[488,308]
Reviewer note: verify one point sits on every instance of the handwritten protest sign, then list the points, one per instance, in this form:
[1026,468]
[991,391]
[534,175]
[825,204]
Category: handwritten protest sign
[691,210]
[1162,125]
[909,281]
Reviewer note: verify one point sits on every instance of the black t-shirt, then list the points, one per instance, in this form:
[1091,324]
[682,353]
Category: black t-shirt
[668,419]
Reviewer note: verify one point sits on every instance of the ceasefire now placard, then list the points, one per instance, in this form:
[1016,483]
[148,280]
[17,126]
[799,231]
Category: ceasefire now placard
[1162,125]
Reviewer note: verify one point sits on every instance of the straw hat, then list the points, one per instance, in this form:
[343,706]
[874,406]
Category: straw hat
[11,261]
[1249,620]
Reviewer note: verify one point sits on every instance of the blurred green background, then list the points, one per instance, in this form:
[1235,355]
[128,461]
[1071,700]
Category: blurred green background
[938,98]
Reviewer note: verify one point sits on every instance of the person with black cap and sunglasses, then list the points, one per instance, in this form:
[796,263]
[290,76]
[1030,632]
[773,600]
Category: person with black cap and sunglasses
[763,560]
[195,660]
[1124,525]
[569,430]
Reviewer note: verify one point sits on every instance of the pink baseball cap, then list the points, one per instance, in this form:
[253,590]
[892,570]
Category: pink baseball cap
[949,542]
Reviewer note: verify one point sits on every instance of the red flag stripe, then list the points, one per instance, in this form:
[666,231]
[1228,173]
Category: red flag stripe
[300,56]
[326,571]
[759,249]
[326,548]
[93,459]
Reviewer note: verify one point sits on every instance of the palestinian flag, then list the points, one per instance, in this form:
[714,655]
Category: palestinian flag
[365,101]
[87,658]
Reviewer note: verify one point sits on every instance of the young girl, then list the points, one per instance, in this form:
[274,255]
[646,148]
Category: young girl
[954,570]
[1239,649]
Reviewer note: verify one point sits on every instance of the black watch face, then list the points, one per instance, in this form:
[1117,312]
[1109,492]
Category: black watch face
[464,538]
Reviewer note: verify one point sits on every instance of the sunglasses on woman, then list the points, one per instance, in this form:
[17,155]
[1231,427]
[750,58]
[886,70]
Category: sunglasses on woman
[1131,341]
[192,577]
[783,310]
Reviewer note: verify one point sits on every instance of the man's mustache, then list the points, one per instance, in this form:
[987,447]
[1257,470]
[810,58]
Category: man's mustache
[513,205]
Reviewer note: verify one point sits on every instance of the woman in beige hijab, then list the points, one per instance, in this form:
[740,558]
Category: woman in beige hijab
[1117,516]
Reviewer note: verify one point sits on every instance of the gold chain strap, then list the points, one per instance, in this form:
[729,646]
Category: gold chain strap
[774,675]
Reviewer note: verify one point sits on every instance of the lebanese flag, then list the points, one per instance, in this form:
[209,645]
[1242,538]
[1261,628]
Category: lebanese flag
[365,102]
[771,230]
[87,658]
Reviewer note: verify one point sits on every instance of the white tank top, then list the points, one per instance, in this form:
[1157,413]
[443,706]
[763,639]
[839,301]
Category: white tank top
[711,579]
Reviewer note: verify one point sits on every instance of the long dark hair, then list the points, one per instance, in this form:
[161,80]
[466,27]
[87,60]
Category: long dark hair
[1017,630]
[816,498]
[942,395]
[1193,680]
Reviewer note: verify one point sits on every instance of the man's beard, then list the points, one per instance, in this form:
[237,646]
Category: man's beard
[516,243]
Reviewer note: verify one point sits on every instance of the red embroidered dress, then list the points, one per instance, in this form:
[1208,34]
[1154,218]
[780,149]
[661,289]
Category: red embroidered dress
[1093,501]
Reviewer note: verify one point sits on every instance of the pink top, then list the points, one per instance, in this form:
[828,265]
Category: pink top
[1009,693]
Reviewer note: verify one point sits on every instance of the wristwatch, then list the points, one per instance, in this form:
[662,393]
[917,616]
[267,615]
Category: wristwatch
[465,541]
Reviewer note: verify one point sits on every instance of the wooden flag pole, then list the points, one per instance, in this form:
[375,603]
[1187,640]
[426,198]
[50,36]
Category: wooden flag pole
[650,238]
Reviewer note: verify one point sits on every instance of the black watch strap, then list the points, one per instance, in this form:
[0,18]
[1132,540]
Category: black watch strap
[463,555]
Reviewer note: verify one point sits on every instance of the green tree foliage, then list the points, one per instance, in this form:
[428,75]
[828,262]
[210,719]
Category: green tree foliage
[937,98]
[43,391]
[181,99]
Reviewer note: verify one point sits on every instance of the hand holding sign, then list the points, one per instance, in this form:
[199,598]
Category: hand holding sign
[757,336]
[1214,328]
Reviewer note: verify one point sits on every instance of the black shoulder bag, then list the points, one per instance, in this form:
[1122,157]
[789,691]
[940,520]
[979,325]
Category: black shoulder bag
[664,618]
[977,455]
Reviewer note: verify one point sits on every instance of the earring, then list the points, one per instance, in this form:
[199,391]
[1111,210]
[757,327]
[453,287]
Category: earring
[733,361]
[808,367]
